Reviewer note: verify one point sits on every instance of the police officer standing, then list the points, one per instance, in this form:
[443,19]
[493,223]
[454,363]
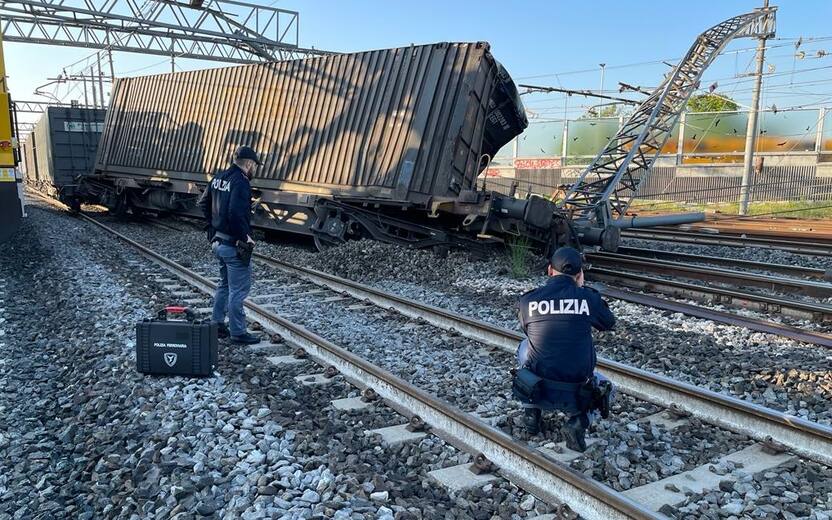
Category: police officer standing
[558,319]
[226,205]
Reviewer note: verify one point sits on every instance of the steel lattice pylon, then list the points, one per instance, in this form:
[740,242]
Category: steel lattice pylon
[220,30]
[606,188]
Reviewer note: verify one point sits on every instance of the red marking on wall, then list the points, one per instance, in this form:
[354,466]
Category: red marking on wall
[537,164]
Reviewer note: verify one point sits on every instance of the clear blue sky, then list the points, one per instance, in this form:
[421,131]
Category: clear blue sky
[540,42]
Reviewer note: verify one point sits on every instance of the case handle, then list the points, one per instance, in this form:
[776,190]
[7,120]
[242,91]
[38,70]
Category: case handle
[165,313]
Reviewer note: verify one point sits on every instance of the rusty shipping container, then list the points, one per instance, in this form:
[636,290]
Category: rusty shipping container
[403,124]
[385,144]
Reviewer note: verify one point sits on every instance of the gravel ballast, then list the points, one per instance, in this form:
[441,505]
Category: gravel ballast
[84,435]
[766,369]
[628,454]
[756,254]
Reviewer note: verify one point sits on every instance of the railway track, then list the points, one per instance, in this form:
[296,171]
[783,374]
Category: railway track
[785,285]
[755,324]
[803,247]
[611,268]
[525,466]
[814,230]
[789,270]
[608,270]
[653,388]
[451,320]
[815,312]
[744,417]
[723,286]
[519,462]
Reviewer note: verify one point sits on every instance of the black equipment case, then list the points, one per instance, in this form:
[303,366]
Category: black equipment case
[184,347]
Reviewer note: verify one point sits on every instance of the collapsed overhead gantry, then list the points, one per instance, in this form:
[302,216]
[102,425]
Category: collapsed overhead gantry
[606,188]
[231,31]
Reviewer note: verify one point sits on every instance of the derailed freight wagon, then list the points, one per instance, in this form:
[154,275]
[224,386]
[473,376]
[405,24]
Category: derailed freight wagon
[61,148]
[384,144]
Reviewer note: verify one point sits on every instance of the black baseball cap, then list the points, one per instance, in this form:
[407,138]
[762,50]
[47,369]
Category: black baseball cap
[247,152]
[567,260]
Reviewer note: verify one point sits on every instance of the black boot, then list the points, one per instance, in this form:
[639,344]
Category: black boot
[246,339]
[574,434]
[531,419]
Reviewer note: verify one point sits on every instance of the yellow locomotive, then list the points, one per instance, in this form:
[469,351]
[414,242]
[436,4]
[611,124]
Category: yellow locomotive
[11,187]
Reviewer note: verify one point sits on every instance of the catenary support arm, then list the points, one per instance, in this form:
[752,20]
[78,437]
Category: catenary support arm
[605,189]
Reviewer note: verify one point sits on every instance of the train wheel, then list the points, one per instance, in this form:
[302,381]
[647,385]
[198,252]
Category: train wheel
[441,250]
[324,242]
[120,207]
[330,230]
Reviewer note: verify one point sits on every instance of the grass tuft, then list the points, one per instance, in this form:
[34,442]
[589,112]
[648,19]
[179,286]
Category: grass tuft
[791,208]
[519,256]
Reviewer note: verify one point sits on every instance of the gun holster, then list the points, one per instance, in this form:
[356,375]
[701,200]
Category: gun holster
[601,398]
[526,385]
[244,251]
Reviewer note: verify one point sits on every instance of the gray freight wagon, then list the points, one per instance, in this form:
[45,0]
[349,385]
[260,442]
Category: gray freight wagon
[61,148]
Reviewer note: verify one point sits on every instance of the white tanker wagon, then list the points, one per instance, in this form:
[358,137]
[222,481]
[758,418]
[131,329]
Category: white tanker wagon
[384,144]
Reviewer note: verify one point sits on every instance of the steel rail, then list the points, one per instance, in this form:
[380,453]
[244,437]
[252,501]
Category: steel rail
[818,312]
[386,299]
[710,274]
[529,468]
[801,248]
[794,270]
[748,236]
[747,228]
[758,325]
[806,438]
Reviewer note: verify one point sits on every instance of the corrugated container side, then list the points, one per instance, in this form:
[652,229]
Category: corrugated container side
[74,136]
[30,166]
[40,135]
[63,145]
[395,123]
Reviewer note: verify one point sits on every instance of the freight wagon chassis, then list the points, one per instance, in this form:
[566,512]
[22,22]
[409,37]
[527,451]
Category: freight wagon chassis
[336,222]
[474,221]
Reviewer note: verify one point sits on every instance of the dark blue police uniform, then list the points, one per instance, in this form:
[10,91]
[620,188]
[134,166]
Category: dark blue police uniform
[226,205]
[558,319]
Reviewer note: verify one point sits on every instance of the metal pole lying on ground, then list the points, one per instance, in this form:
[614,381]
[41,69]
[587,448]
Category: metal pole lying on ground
[659,220]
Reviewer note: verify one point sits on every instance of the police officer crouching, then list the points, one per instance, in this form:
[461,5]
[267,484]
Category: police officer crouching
[556,361]
[226,205]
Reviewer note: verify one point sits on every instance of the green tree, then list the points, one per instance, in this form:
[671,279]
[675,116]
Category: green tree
[601,111]
[711,103]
